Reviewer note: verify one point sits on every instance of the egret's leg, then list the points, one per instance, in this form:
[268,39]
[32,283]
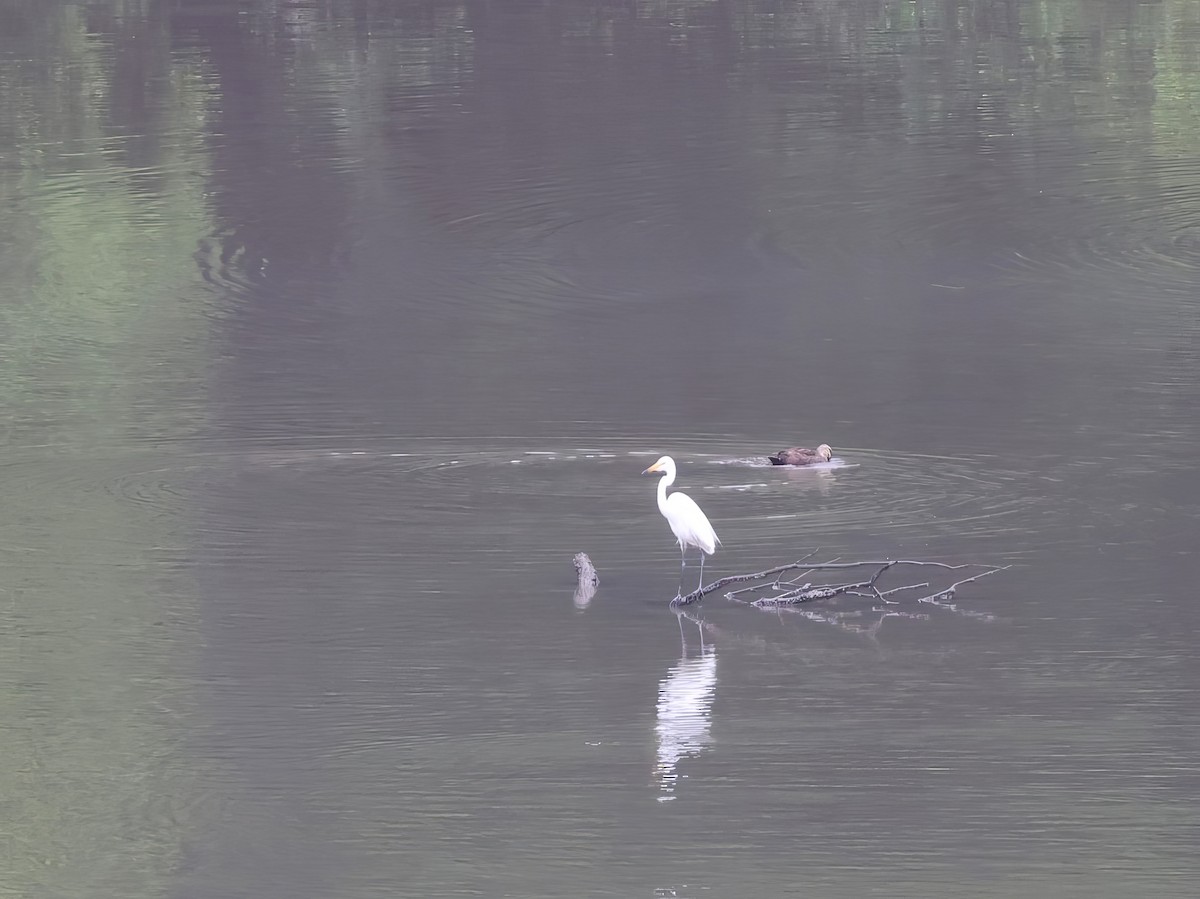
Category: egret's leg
[682,569]
[701,584]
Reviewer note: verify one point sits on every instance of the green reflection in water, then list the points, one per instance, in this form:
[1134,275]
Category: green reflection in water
[102,348]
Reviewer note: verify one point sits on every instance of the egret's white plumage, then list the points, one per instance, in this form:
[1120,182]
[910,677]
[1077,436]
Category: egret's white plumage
[688,523]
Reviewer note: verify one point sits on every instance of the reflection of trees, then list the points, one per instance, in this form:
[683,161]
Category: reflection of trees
[98,216]
[533,86]
[101,343]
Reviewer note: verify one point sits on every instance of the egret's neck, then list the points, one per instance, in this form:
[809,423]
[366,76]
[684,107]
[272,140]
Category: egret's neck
[662,491]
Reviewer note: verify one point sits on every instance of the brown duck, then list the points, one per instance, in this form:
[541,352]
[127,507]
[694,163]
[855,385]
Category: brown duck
[799,455]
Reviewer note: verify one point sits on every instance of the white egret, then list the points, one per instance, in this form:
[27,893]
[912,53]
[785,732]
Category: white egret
[799,455]
[689,525]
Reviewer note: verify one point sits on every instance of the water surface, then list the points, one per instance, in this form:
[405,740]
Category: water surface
[332,331]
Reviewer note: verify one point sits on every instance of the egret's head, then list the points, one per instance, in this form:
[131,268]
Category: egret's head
[825,451]
[662,466]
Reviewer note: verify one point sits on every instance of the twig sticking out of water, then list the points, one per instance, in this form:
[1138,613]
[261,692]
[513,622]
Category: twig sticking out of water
[586,570]
[588,580]
[948,593]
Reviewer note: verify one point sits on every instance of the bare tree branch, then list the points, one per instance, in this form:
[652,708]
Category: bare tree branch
[908,587]
[948,593]
[796,592]
[786,594]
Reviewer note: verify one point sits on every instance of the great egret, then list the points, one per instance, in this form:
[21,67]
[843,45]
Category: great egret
[799,455]
[688,523]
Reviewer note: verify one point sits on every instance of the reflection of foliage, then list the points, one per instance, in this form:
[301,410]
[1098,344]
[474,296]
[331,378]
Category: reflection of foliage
[100,221]
[1026,55]
[103,206]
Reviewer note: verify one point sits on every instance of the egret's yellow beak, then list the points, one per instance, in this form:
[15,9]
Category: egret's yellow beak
[652,469]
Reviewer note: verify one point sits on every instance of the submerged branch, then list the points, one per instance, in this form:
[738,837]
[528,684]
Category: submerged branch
[795,592]
[785,594]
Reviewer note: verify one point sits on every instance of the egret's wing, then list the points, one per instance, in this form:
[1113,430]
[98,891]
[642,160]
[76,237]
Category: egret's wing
[689,522]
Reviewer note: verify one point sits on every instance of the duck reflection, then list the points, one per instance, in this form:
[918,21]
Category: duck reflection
[818,479]
[684,714]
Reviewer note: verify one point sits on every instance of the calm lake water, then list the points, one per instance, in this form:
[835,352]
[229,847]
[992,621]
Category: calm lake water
[331,330]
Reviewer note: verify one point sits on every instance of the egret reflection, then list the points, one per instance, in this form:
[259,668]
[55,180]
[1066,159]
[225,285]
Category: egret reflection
[684,714]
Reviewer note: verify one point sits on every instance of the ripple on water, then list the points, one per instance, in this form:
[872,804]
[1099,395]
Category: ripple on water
[1144,231]
[544,242]
[880,492]
[1092,226]
[227,266]
[748,499]
[398,488]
